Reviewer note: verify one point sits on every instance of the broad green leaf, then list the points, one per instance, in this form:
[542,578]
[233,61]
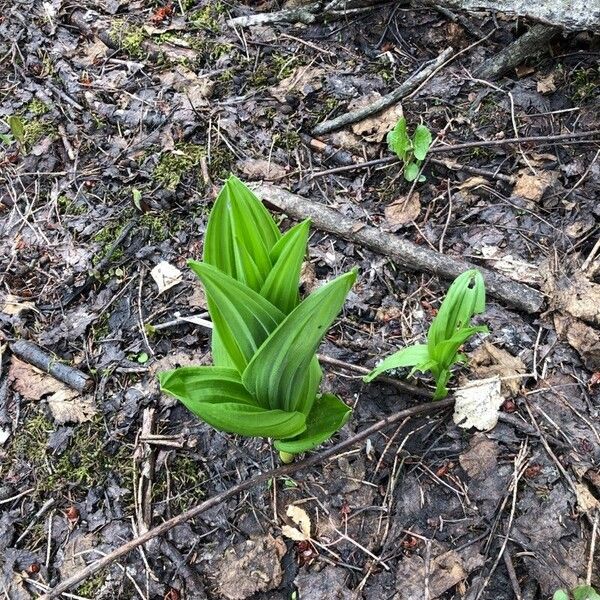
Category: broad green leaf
[407,357]
[328,415]
[240,227]
[585,592]
[421,142]
[310,387]
[560,595]
[16,127]
[465,298]
[217,396]
[219,353]
[411,170]
[242,318]
[398,140]
[281,285]
[446,351]
[277,371]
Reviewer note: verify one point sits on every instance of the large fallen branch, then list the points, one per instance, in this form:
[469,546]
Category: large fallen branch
[404,253]
[315,459]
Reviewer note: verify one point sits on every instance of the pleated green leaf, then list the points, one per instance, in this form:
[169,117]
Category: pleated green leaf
[412,356]
[240,227]
[218,397]
[281,285]
[277,370]
[327,416]
[421,142]
[465,298]
[242,318]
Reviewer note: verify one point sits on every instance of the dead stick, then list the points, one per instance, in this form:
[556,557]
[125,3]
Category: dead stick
[315,459]
[411,84]
[404,253]
[47,362]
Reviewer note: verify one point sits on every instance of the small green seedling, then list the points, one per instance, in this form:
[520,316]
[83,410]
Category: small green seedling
[17,129]
[449,330]
[582,592]
[411,152]
[265,378]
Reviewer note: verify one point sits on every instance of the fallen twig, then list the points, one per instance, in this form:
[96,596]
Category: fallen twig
[403,252]
[414,81]
[47,362]
[284,470]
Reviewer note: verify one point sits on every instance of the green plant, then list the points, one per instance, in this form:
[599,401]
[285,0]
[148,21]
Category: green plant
[411,152]
[448,332]
[16,128]
[581,592]
[265,378]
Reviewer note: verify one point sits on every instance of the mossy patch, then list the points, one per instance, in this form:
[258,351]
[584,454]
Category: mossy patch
[179,482]
[174,164]
[37,107]
[86,462]
[128,37]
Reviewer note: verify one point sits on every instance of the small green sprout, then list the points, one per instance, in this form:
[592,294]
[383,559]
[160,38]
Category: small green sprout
[17,129]
[582,592]
[449,330]
[411,152]
[265,378]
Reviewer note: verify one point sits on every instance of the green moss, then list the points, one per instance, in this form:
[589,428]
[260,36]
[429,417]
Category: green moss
[92,585]
[207,17]
[284,65]
[128,37]
[174,164]
[66,206]
[84,464]
[183,477]
[585,84]
[37,107]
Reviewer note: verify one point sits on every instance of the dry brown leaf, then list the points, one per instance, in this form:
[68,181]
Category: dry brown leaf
[166,276]
[481,458]
[259,168]
[488,360]
[586,501]
[300,517]
[582,337]
[532,187]
[15,306]
[575,294]
[473,182]
[400,212]
[524,70]
[546,85]
[515,268]
[66,405]
[375,128]
[305,80]
[477,404]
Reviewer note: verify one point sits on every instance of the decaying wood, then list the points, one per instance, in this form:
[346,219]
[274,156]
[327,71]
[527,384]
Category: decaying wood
[244,485]
[409,86]
[514,54]
[569,14]
[47,362]
[401,251]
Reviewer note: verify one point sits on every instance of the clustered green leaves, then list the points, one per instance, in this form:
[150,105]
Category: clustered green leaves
[411,151]
[450,329]
[265,378]
[581,592]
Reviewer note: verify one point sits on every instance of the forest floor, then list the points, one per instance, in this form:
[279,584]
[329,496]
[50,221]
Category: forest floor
[132,115]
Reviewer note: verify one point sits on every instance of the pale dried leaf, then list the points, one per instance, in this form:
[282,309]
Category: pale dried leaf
[400,212]
[14,306]
[515,268]
[305,80]
[259,168]
[166,276]
[67,406]
[477,404]
[488,360]
[293,534]
[300,517]
[31,382]
[546,85]
[376,128]
[586,501]
[532,187]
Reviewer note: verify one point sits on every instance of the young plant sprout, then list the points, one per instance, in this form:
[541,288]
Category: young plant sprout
[411,151]
[449,330]
[265,377]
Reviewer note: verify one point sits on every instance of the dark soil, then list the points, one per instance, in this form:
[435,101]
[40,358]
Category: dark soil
[133,113]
